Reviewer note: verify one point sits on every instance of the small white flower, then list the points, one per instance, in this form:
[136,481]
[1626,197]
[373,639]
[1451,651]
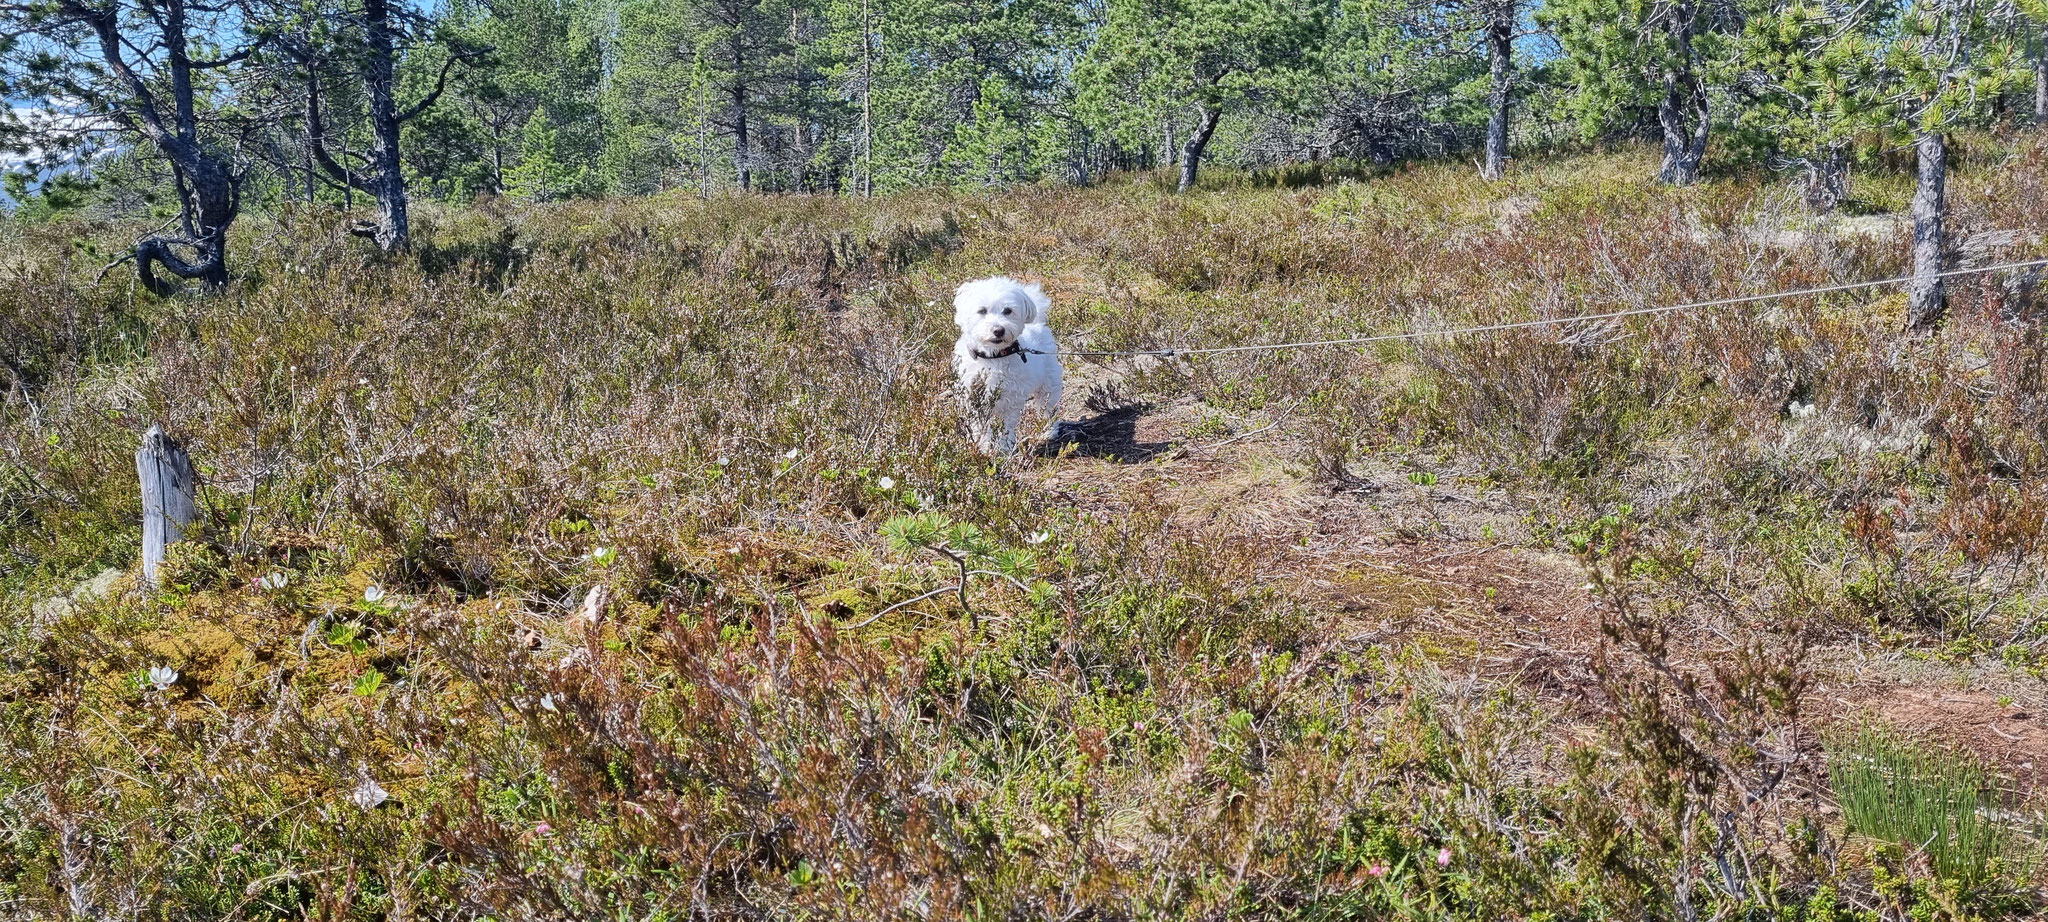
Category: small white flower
[735,549]
[1038,537]
[886,483]
[275,581]
[598,553]
[162,677]
[547,703]
[373,595]
[791,454]
[723,460]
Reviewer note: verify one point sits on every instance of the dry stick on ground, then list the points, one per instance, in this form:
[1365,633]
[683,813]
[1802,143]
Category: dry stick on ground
[959,560]
[1276,423]
[960,588]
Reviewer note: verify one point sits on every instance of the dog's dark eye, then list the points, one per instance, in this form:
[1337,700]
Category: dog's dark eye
[982,311]
[1006,312]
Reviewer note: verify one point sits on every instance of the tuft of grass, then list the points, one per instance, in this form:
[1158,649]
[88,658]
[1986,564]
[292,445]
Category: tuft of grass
[1924,800]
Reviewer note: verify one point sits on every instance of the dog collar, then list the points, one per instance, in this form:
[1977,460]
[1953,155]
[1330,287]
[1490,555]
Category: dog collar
[1015,348]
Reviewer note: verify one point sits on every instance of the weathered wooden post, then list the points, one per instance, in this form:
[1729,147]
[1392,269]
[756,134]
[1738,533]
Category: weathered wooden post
[167,496]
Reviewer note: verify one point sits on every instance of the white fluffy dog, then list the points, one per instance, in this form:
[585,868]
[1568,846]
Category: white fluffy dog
[998,361]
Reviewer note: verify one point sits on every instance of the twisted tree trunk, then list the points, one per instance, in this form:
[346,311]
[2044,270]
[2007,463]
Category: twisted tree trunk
[383,178]
[1827,179]
[209,188]
[1682,113]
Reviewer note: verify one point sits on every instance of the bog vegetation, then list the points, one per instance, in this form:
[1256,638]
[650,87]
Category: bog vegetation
[557,568]
[586,529]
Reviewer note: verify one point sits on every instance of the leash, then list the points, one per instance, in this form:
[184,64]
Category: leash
[1526,324]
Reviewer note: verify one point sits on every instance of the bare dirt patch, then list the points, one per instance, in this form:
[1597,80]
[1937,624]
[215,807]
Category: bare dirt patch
[1453,570]
[1999,727]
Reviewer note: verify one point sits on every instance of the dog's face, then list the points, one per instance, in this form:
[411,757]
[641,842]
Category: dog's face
[993,312]
[997,323]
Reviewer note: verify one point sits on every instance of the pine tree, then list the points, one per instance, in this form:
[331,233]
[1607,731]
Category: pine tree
[1947,61]
[2033,18]
[1391,80]
[1810,83]
[1499,25]
[964,88]
[545,63]
[1622,57]
[1153,59]
[367,43]
[162,74]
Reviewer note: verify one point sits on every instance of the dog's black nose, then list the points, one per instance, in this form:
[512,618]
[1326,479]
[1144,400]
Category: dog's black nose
[998,334]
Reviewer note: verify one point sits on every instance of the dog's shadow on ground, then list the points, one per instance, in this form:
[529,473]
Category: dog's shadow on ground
[1111,434]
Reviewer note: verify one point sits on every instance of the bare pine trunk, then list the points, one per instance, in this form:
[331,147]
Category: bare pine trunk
[2041,84]
[1500,33]
[1827,180]
[1191,152]
[384,177]
[1685,146]
[1927,298]
[703,142]
[497,156]
[740,159]
[393,231]
[867,103]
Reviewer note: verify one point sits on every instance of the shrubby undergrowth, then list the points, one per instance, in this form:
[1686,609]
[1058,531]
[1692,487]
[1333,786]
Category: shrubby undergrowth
[554,570]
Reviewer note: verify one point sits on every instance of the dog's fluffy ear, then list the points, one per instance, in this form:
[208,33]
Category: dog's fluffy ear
[1001,289]
[1041,306]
